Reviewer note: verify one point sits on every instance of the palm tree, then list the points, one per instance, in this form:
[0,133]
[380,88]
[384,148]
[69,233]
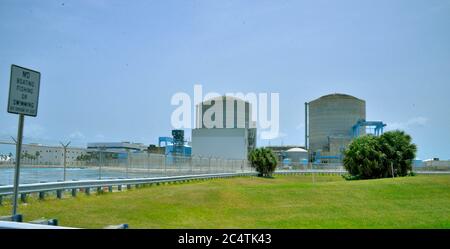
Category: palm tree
[37,154]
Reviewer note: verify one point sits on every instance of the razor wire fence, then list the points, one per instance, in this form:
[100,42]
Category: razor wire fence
[104,166]
[38,168]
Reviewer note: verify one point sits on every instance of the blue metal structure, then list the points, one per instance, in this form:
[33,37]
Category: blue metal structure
[318,157]
[165,140]
[184,150]
[376,125]
[175,145]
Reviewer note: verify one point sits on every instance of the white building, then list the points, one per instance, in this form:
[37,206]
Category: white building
[296,155]
[225,129]
[222,143]
[116,147]
[435,162]
[51,155]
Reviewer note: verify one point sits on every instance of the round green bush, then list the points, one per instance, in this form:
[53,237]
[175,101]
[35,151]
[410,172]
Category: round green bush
[264,161]
[369,157]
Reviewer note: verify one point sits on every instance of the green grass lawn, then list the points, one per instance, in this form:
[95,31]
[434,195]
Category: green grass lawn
[252,202]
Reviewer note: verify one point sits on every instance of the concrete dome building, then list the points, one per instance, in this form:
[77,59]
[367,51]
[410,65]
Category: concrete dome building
[330,121]
[229,112]
[296,155]
[224,128]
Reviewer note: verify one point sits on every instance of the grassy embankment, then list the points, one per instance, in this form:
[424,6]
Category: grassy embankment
[251,202]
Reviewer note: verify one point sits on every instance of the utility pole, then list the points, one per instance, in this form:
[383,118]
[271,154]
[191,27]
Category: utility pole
[64,162]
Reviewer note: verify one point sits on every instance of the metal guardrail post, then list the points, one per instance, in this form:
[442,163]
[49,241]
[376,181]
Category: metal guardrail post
[41,195]
[15,218]
[74,192]
[121,226]
[50,222]
[59,194]
[23,197]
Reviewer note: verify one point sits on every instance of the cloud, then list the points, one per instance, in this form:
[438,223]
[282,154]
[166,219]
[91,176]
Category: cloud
[77,135]
[413,122]
[34,131]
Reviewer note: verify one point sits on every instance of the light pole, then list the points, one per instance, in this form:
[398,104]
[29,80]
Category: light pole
[64,162]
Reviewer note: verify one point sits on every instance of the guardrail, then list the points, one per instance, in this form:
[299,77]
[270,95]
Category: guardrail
[19,225]
[41,188]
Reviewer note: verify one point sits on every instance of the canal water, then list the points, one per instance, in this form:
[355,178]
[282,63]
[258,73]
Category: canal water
[36,175]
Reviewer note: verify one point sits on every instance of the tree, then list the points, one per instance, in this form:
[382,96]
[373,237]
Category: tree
[370,157]
[37,154]
[363,158]
[399,150]
[264,161]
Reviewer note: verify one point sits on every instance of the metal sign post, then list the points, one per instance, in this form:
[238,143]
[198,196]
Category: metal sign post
[23,100]
[17,169]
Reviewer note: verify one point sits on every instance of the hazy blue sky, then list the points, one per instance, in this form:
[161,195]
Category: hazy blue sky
[109,68]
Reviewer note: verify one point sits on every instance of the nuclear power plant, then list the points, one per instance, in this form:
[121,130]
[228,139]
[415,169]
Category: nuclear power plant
[224,128]
[332,122]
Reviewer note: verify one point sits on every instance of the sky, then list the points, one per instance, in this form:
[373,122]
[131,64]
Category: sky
[109,68]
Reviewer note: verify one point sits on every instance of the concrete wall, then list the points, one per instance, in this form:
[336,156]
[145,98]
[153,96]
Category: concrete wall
[224,143]
[230,112]
[333,115]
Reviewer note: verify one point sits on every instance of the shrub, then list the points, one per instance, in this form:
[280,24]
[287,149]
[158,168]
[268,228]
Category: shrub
[369,157]
[264,161]
[398,150]
[364,159]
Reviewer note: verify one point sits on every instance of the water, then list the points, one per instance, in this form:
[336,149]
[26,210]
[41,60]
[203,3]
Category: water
[36,175]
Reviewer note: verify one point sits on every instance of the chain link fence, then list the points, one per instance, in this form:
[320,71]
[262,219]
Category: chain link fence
[34,169]
[104,166]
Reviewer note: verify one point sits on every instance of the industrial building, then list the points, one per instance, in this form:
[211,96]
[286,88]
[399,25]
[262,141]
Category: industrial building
[230,133]
[332,121]
[285,151]
[50,155]
[175,145]
[229,112]
[118,150]
[117,147]
[436,162]
[296,155]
